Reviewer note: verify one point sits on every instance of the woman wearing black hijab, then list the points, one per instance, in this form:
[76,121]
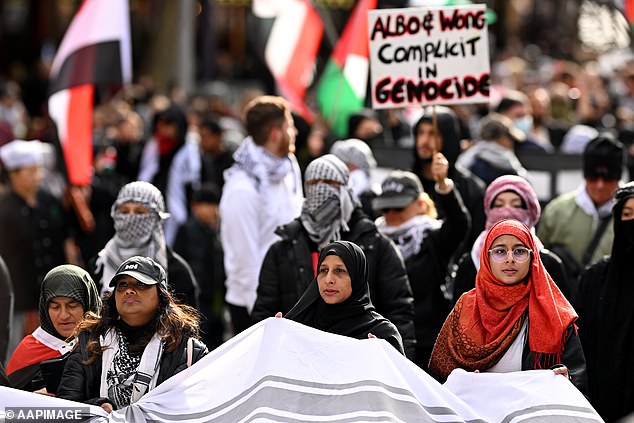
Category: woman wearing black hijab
[338,299]
[606,316]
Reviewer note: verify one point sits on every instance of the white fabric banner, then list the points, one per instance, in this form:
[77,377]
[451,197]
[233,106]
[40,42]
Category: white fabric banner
[279,370]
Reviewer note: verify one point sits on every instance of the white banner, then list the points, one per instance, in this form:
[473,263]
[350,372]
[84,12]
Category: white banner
[429,56]
[280,370]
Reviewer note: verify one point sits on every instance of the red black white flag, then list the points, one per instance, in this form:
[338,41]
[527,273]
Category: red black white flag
[291,47]
[95,50]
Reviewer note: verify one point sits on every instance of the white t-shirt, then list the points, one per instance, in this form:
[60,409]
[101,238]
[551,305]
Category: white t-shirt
[511,361]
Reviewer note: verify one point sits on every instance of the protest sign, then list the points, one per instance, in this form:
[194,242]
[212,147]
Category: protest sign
[429,56]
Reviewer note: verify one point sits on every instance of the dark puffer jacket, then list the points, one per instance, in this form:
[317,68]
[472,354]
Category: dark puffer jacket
[81,382]
[288,269]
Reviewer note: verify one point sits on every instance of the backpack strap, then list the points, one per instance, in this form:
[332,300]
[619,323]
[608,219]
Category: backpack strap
[594,243]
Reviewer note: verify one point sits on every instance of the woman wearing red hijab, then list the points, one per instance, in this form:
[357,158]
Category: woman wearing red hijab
[514,319]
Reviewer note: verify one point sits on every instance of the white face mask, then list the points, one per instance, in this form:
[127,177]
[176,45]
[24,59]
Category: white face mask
[524,124]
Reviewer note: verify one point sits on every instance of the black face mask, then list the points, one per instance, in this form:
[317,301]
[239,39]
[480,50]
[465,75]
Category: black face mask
[625,236]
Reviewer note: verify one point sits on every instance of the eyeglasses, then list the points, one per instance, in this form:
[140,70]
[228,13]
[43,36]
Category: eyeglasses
[140,286]
[520,254]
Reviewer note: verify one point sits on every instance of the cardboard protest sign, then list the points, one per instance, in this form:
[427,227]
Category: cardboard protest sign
[429,56]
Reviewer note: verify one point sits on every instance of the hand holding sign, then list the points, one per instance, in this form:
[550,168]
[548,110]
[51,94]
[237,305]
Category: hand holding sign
[439,169]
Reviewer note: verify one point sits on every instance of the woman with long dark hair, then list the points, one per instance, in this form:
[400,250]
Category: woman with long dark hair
[142,338]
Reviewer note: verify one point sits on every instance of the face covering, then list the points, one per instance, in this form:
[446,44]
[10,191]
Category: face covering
[524,124]
[135,229]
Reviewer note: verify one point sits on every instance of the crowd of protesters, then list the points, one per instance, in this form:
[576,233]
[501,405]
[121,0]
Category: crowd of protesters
[225,213]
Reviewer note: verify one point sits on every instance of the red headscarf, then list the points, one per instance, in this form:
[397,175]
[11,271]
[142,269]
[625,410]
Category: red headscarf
[487,319]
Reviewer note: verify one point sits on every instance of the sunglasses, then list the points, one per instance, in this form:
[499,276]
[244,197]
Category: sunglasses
[520,254]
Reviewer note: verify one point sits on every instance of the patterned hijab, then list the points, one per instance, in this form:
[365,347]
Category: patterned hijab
[327,208]
[68,281]
[487,319]
[529,214]
[135,234]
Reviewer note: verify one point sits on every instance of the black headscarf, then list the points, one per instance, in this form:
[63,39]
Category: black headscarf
[68,281]
[355,317]
[616,334]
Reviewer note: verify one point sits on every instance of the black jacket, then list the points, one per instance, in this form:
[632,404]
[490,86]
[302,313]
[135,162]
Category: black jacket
[6,309]
[180,278]
[471,189]
[572,357]
[426,272]
[81,382]
[288,269]
[31,243]
[464,279]
[200,246]
[612,400]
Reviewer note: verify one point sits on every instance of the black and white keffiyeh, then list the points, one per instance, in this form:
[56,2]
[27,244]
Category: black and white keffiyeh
[126,378]
[327,208]
[263,166]
[410,235]
[135,234]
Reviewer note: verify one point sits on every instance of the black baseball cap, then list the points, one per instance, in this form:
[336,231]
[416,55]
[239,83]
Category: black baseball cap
[143,269]
[398,190]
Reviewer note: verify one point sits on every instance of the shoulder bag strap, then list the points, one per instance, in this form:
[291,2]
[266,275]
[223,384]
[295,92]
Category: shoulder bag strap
[594,243]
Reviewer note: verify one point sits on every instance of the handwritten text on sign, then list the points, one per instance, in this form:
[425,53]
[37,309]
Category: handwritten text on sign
[429,56]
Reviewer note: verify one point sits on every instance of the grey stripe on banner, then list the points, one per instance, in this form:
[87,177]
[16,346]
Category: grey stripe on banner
[555,407]
[314,404]
[273,417]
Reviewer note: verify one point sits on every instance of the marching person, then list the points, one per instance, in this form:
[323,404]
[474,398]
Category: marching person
[338,299]
[67,294]
[142,338]
[514,319]
[330,213]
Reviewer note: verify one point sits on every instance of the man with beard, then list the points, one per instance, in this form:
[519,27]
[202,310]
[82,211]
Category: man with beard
[262,190]
[446,140]
[331,213]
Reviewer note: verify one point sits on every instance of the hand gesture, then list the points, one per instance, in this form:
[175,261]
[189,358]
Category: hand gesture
[439,169]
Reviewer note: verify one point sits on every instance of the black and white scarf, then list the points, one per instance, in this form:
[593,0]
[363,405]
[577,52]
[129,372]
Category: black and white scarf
[409,235]
[126,378]
[327,209]
[135,234]
[266,168]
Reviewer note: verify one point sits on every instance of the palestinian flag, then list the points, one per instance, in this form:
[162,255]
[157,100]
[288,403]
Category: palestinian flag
[342,88]
[95,50]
